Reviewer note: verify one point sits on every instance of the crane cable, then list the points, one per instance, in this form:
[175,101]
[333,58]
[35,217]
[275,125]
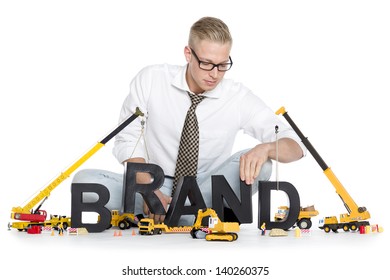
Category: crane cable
[277,157]
[142,135]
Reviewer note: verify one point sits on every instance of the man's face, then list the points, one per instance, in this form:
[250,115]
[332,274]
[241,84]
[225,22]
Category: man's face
[200,80]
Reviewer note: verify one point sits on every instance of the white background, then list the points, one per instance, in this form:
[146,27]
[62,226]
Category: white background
[65,67]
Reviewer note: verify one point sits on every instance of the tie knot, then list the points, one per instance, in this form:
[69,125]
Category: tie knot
[195,99]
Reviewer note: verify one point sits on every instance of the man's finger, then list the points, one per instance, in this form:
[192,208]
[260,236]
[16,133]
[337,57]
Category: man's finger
[257,169]
[146,209]
[161,219]
[242,177]
[158,218]
[249,169]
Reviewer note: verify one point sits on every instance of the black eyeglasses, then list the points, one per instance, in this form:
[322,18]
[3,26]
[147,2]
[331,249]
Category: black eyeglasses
[208,66]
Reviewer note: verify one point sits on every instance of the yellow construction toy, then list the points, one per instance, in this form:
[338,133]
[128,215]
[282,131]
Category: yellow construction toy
[356,216]
[216,230]
[28,217]
[147,226]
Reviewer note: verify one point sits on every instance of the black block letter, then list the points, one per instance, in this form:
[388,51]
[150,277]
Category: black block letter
[146,190]
[265,205]
[221,190]
[186,187]
[78,206]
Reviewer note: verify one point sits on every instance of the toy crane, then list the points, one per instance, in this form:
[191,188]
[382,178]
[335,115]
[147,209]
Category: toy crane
[32,217]
[356,216]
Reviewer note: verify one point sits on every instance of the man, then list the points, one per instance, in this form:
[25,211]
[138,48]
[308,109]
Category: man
[164,94]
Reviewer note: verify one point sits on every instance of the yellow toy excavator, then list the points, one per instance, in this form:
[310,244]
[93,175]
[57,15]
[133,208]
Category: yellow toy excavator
[216,230]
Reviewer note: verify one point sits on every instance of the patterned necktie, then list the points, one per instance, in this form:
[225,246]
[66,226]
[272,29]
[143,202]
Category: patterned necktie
[187,158]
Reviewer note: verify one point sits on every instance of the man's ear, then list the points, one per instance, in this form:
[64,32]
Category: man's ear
[187,53]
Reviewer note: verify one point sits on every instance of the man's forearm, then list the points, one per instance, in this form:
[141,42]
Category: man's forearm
[288,150]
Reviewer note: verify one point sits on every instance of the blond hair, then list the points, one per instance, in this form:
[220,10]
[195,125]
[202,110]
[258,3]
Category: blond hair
[211,29]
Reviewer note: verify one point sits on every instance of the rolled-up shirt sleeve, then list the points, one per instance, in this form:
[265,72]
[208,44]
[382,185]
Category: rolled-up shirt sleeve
[129,143]
[260,122]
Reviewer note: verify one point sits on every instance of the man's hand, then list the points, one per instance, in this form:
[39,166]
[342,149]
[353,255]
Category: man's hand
[145,178]
[165,200]
[252,161]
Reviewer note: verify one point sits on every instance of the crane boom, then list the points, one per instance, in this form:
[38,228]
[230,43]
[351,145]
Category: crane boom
[23,212]
[355,213]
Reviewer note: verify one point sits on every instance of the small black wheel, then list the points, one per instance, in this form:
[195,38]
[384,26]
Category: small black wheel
[193,232]
[123,225]
[304,223]
[326,229]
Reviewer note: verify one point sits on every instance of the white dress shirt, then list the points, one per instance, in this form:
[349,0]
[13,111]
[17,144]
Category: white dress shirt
[160,91]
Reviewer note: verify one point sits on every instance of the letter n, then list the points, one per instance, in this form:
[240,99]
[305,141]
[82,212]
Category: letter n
[221,191]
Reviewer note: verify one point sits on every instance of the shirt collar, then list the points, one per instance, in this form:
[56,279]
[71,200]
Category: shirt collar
[179,81]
